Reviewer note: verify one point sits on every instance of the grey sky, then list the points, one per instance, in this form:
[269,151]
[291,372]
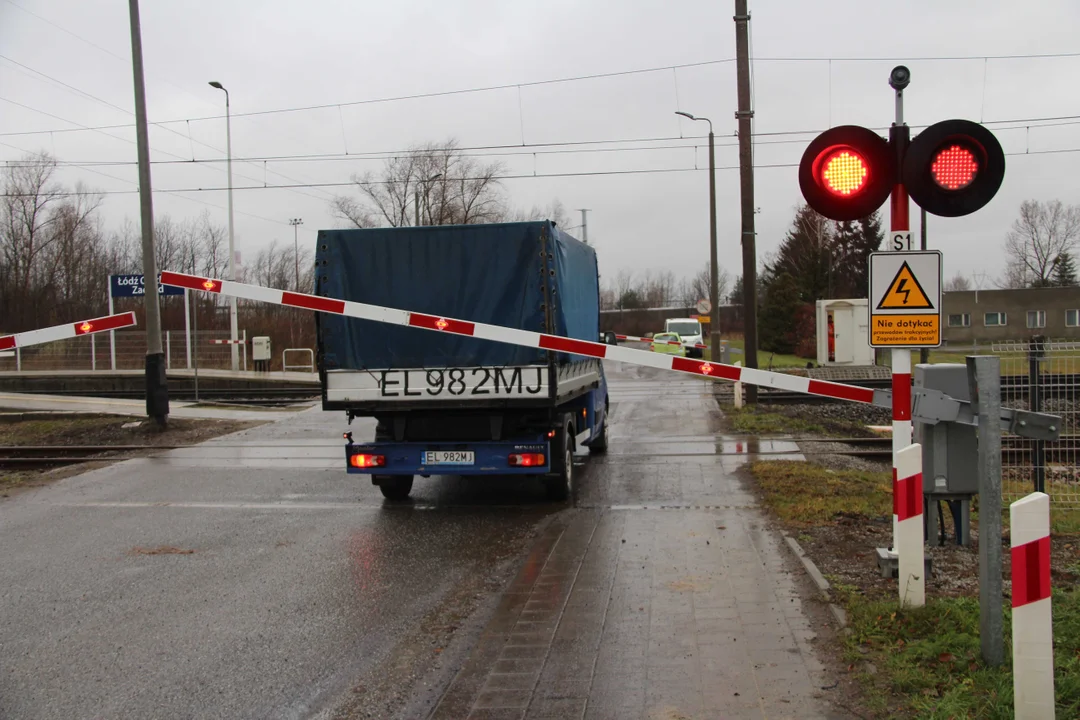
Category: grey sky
[275,54]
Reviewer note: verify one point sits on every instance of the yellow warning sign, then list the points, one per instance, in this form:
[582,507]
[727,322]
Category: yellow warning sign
[905,293]
[905,331]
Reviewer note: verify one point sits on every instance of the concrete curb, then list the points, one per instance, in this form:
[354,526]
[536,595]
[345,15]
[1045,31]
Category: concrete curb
[819,579]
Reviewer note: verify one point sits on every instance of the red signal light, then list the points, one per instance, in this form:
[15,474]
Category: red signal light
[954,167]
[441,324]
[86,327]
[363,460]
[845,173]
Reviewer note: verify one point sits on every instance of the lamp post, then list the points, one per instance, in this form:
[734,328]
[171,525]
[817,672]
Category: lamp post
[416,195]
[296,222]
[714,271]
[232,246]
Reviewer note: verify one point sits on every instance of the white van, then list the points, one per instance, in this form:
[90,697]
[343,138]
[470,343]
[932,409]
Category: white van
[691,332]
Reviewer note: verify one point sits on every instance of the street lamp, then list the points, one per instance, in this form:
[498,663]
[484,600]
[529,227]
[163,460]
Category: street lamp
[714,332]
[416,195]
[296,222]
[232,246]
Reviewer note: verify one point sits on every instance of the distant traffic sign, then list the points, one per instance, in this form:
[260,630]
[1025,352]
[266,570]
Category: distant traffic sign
[135,286]
[703,306]
[905,299]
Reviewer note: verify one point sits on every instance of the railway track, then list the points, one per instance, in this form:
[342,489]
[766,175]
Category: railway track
[263,397]
[1013,388]
[40,456]
[870,448]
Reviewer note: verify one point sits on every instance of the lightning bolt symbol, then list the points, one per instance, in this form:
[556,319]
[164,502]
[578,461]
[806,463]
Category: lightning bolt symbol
[900,289]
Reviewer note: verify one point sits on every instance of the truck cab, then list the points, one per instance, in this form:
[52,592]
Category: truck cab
[691,332]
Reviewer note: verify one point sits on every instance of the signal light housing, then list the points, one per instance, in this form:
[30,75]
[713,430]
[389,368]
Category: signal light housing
[847,172]
[953,168]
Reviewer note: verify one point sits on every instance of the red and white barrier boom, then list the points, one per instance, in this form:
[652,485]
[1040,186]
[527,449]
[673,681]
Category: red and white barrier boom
[1032,630]
[929,406]
[525,338]
[70,330]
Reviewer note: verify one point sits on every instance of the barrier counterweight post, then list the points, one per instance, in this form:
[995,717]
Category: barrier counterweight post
[1032,629]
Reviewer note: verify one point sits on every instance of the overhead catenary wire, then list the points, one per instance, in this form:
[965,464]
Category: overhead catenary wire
[552,148]
[595,173]
[575,78]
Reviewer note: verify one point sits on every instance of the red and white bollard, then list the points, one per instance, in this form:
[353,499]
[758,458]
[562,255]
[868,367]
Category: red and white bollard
[1032,627]
[908,512]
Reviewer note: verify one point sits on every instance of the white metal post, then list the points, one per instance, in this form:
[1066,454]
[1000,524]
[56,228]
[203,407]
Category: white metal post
[168,350]
[1032,620]
[244,346]
[187,328]
[93,352]
[112,333]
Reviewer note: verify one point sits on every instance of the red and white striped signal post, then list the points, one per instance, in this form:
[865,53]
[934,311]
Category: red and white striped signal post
[907,539]
[68,330]
[1032,629]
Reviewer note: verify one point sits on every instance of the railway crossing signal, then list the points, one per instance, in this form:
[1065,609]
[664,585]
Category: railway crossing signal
[951,168]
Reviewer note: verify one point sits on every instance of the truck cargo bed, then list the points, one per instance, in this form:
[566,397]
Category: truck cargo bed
[527,276]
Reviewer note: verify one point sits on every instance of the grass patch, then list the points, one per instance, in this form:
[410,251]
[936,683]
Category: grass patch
[926,663]
[750,421]
[766,360]
[805,494]
[753,420]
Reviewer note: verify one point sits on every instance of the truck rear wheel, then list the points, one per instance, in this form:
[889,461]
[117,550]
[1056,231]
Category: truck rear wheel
[599,444]
[394,487]
[561,486]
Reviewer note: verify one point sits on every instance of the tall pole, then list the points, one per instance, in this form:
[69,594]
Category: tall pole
[157,391]
[296,222]
[911,574]
[416,205]
[232,244]
[714,266]
[746,191]
[584,226]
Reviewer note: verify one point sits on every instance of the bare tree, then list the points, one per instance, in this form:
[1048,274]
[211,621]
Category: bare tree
[958,283]
[554,211]
[435,182]
[1041,234]
[26,214]
[699,285]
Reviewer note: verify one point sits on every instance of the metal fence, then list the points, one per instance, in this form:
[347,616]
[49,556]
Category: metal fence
[96,353]
[1044,376]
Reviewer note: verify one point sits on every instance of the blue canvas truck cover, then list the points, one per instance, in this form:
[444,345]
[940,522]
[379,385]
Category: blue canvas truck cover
[495,273]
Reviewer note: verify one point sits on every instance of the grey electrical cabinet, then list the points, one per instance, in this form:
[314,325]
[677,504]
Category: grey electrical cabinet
[950,450]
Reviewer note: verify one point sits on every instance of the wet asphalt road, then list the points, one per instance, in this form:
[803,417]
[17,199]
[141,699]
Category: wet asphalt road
[252,578]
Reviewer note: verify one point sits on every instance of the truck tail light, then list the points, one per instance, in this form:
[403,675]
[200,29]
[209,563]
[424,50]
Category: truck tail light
[526,459]
[363,460]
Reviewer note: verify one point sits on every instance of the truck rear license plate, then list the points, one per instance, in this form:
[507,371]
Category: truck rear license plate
[448,457]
